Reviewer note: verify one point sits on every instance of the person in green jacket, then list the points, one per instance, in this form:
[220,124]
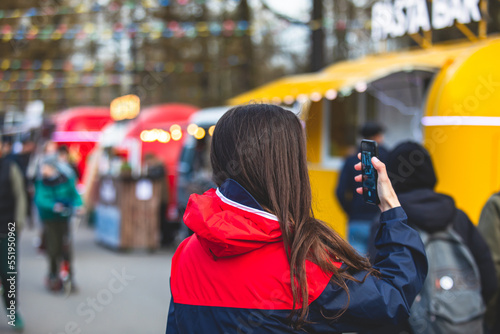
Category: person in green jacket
[56,198]
[489,226]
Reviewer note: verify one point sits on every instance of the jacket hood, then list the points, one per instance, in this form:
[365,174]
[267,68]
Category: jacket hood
[428,210]
[410,167]
[228,221]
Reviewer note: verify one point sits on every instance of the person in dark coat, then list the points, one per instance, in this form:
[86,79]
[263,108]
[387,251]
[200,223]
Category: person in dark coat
[23,160]
[360,214]
[489,226]
[413,177]
[12,218]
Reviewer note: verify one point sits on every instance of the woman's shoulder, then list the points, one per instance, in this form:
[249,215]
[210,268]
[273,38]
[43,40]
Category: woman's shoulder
[259,277]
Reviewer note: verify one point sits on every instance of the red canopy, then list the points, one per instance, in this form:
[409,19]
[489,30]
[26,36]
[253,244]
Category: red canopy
[82,119]
[161,117]
[79,128]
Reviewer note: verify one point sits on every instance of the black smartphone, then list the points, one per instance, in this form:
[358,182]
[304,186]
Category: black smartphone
[369,149]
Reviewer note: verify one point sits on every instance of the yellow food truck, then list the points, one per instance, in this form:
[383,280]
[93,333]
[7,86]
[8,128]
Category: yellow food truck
[445,95]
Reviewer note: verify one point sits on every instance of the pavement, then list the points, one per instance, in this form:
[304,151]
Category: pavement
[122,293]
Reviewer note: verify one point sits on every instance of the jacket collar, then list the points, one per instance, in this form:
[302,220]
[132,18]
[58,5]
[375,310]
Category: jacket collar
[233,193]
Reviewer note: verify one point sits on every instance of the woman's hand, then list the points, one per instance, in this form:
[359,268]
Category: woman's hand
[386,193]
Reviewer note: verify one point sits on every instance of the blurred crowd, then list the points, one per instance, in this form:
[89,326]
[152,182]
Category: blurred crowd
[38,188]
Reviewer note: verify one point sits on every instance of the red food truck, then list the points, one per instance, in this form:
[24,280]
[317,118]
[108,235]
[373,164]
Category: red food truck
[160,130]
[79,129]
[127,193]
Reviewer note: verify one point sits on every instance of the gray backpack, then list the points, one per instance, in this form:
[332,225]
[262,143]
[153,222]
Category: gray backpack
[450,301]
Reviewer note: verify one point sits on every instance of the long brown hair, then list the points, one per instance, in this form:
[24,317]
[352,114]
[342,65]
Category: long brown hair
[263,148]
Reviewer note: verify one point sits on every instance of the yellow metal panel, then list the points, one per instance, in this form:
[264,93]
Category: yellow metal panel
[470,86]
[325,204]
[313,132]
[467,163]
[466,155]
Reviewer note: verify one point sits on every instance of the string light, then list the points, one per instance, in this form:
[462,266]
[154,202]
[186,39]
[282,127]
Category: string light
[316,96]
[302,98]
[211,130]
[176,134]
[200,133]
[173,29]
[276,100]
[164,137]
[288,99]
[361,86]
[175,127]
[191,129]
[331,94]
[159,135]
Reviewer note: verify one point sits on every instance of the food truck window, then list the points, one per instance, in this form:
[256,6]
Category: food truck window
[342,122]
[396,102]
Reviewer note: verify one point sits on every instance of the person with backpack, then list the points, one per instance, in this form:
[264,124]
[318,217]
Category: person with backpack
[489,226]
[461,276]
[259,262]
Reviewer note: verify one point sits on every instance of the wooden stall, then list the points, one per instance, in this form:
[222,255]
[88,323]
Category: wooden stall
[125,213]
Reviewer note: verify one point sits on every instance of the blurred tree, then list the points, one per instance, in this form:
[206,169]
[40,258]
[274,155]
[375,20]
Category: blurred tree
[318,37]
[197,64]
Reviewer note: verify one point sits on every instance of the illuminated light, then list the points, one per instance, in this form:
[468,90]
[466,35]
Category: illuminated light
[47,79]
[164,137]
[144,135]
[191,129]
[125,107]
[5,64]
[211,130]
[331,94]
[276,100]
[289,99]
[159,135]
[200,133]
[175,127]
[301,98]
[316,96]
[346,91]
[176,134]
[361,87]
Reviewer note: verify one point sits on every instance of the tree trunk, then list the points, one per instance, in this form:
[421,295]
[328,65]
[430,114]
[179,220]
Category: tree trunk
[318,37]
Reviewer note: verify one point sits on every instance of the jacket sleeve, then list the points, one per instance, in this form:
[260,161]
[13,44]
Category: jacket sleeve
[372,250]
[171,322]
[489,227]
[344,185]
[374,302]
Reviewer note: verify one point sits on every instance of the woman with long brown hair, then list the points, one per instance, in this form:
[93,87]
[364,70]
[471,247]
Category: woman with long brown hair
[259,262]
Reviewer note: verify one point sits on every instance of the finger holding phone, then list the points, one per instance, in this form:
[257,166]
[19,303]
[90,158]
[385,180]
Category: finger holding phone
[376,187]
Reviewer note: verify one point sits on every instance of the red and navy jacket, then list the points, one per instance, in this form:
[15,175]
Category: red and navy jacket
[233,275]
